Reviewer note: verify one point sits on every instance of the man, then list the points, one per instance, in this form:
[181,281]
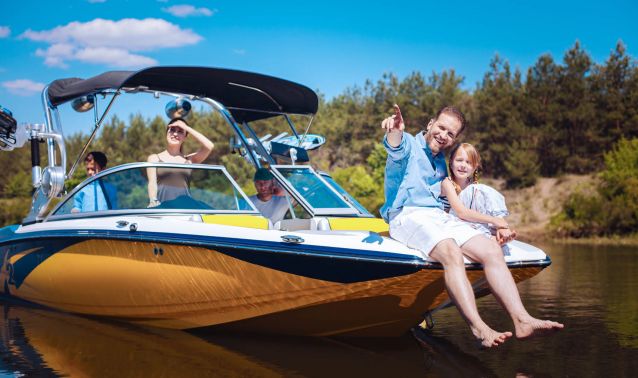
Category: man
[92,197]
[268,200]
[414,171]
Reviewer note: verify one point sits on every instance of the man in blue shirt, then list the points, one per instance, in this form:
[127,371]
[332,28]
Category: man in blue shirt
[414,171]
[96,196]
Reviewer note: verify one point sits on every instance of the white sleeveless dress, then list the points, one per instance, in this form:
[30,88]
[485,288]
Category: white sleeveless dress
[485,200]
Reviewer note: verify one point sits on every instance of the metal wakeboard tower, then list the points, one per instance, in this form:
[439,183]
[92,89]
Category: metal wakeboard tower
[239,96]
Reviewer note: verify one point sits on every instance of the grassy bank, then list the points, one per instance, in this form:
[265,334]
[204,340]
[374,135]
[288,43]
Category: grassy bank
[531,209]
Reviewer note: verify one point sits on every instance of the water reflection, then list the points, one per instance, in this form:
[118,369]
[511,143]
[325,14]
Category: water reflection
[594,291]
[43,342]
[46,342]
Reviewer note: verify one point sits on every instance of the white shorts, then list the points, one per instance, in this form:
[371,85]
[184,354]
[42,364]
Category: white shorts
[423,228]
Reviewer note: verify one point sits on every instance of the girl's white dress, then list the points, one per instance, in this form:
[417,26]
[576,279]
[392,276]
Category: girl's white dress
[486,200]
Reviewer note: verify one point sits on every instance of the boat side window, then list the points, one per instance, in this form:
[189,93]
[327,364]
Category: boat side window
[178,188]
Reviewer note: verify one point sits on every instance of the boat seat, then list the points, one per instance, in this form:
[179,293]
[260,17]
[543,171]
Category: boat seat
[248,221]
[312,224]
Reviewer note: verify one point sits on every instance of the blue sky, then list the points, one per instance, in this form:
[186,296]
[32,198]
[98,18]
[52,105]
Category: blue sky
[327,45]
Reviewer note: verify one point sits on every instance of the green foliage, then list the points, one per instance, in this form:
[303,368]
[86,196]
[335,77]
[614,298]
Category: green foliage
[559,117]
[613,208]
[13,210]
[499,128]
[365,189]
[520,166]
[19,185]
[376,162]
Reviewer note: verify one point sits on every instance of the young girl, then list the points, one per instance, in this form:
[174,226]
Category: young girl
[476,203]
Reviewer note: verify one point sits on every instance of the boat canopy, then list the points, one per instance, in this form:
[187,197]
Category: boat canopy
[248,96]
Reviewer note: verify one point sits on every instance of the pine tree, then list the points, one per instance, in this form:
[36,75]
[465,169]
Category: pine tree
[616,109]
[541,111]
[576,123]
[502,138]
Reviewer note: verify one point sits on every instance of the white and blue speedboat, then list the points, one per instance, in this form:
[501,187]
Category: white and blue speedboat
[209,259]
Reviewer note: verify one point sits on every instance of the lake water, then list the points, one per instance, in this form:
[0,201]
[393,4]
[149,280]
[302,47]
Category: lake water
[593,290]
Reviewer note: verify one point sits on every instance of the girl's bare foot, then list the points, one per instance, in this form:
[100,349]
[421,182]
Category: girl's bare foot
[531,327]
[489,338]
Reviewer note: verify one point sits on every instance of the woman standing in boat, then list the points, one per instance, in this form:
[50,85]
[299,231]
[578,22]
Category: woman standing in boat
[165,184]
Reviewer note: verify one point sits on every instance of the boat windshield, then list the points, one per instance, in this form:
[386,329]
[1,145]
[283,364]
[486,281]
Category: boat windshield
[177,188]
[346,195]
[317,194]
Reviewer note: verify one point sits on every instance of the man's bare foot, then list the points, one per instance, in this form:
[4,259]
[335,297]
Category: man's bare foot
[531,327]
[488,337]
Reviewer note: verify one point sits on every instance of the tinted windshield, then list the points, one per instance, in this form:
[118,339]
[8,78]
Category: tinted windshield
[313,189]
[176,188]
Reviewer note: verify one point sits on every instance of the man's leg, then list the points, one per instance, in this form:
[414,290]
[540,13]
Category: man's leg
[487,252]
[460,291]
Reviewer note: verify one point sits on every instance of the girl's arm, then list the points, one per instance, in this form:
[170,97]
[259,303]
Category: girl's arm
[447,189]
[204,150]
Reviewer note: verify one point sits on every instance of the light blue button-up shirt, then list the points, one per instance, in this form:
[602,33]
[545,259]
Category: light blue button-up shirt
[92,198]
[412,176]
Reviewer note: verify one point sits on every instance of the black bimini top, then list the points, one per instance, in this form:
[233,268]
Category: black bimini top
[248,96]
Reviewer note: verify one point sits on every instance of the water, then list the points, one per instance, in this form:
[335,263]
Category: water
[593,290]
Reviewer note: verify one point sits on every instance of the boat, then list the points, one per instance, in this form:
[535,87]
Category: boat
[209,259]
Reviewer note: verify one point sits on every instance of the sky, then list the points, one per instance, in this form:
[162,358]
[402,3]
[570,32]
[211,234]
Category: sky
[327,45]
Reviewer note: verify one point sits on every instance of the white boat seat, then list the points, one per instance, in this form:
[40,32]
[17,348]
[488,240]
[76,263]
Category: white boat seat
[312,224]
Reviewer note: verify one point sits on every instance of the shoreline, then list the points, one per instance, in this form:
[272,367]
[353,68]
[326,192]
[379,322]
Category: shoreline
[629,241]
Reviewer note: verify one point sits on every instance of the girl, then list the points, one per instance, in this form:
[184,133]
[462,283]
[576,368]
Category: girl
[476,203]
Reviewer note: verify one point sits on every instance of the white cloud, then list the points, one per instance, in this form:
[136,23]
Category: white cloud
[110,42]
[113,57]
[5,31]
[23,87]
[57,54]
[239,51]
[188,10]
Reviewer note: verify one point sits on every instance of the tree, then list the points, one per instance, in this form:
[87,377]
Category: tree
[576,124]
[501,137]
[615,95]
[540,113]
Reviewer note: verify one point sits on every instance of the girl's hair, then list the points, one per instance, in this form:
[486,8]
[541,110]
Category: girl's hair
[475,161]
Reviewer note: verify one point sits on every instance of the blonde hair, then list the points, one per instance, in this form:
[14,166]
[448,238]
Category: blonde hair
[475,161]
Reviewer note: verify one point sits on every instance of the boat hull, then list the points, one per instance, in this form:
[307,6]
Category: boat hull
[186,286]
